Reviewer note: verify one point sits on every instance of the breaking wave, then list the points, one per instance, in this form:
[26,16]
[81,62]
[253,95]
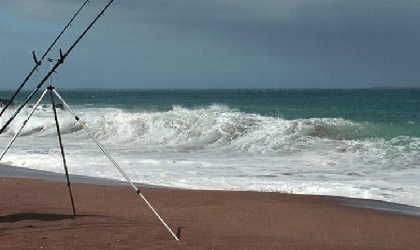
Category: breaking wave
[212,127]
[201,128]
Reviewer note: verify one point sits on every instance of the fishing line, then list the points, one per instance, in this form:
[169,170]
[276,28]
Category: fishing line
[39,62]
[55,67]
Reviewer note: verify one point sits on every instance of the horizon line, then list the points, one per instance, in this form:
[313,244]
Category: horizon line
[271,88]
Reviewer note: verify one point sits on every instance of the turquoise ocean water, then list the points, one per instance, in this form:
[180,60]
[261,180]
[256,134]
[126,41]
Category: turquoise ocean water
[362,143]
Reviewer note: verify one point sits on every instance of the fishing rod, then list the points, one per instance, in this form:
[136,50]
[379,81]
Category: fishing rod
[39,62]
[55,67]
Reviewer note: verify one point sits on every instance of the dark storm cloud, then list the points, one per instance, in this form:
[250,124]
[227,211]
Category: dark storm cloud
[362,39]
[324,43]
[281,23]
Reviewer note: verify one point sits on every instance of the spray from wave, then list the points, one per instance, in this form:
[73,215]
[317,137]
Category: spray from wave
[213,127]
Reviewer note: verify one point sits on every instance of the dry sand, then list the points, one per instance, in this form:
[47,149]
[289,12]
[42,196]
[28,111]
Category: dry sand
[36,214]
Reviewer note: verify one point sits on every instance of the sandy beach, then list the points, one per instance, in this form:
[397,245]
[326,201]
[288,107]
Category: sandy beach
[247,125]
[36,214]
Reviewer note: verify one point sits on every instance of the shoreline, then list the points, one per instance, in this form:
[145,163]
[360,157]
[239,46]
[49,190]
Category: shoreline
[7,171]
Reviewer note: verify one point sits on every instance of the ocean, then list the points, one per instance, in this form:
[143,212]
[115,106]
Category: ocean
[360,143]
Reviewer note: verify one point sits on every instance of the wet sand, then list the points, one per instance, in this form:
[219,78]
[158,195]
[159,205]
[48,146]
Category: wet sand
[37,214]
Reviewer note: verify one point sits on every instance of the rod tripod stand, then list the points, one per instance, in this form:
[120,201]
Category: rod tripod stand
[49,89]
[53,93]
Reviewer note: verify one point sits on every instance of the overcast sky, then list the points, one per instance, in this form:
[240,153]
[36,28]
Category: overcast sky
[217,43]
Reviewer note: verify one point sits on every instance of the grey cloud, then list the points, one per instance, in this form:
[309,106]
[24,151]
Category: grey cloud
[302,27]
[332,40]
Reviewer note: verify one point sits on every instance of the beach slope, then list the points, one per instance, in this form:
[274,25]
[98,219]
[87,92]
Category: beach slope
[36,214]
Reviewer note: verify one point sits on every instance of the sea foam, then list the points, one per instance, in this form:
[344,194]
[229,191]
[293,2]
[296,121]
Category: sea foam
[216,147]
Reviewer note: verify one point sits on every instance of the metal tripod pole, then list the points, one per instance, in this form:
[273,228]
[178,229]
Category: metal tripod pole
[57,125]
[138,191]
[50,89]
